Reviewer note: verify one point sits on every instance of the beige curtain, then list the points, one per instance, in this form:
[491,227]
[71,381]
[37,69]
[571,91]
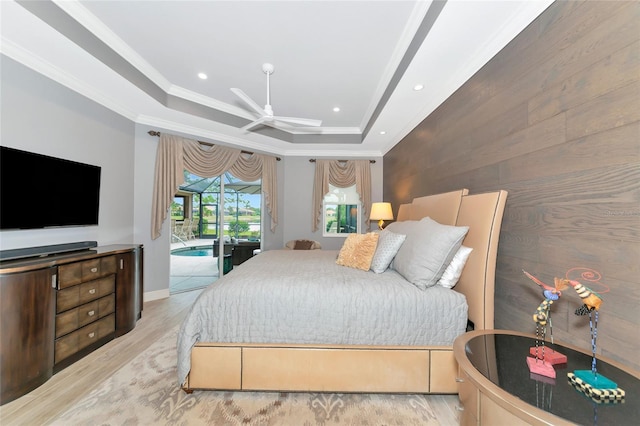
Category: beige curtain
[342,174]
[176,154]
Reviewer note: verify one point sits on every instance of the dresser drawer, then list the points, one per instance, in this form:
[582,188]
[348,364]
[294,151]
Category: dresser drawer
[79,272]
[75,318]
[97,288]
[83,337]
[72,297]
[106,305]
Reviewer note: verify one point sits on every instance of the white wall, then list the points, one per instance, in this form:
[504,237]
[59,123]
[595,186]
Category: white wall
[41,116]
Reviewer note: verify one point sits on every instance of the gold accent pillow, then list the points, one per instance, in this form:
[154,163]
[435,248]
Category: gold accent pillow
[358,250]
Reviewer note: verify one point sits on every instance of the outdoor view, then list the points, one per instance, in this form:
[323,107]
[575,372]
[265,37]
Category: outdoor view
[242,202]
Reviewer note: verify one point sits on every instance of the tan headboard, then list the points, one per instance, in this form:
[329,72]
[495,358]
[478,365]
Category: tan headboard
[482,213]
[443,208]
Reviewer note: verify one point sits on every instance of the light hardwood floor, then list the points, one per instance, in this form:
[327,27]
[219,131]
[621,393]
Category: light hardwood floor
[53,398]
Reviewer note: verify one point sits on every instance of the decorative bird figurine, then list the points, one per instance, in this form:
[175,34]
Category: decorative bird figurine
[550,294]
[560,284]
[590,298]
[544,358]
[591,307]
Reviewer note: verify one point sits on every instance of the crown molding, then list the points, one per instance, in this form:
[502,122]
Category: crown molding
[47,69]
[81,14]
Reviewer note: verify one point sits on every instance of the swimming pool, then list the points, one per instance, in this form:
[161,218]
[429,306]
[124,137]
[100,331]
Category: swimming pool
[196,251]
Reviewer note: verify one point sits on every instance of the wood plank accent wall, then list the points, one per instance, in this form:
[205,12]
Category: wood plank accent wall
[554,118]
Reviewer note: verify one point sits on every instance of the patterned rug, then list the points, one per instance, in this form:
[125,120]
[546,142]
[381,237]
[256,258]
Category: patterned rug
[145,392]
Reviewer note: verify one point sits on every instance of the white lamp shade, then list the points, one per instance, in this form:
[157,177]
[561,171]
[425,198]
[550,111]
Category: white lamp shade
[381,211]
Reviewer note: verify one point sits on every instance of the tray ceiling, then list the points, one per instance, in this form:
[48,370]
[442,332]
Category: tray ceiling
[142,60]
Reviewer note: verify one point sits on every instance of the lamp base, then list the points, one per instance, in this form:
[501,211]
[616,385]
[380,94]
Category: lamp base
[381,224]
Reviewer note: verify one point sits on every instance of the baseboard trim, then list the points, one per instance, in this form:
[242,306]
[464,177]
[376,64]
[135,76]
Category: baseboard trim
[155,295]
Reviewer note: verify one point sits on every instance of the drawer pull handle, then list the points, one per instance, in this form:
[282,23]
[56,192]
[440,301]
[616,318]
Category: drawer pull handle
[91,313]
[94,270]
[459,408]
[459,380]
[92,291]
[92,335]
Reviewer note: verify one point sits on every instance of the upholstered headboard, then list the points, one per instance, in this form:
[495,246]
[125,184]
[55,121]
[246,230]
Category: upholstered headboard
[443,208]
[482,213]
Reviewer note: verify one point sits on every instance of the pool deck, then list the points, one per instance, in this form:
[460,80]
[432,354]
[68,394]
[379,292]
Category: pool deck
[192,272]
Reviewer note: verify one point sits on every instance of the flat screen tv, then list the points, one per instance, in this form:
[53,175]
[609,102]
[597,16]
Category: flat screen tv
[38,191]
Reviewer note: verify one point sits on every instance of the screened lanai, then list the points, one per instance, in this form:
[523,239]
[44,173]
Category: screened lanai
[202,196]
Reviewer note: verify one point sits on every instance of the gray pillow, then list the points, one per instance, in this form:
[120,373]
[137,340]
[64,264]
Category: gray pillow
[427,250]
[388,245]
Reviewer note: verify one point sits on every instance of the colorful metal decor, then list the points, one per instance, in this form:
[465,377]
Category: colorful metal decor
[542,358]
[589,382]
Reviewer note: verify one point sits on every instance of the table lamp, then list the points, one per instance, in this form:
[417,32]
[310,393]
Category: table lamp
[381,212]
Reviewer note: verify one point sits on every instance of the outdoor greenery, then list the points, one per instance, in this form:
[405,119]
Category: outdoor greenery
[340,213]
[238,212]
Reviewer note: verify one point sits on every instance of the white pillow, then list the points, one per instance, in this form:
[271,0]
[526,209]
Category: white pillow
[388,245]
[452,274]
[427,251]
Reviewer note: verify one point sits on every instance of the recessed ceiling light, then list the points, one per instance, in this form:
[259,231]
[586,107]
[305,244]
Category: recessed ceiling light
[336,109]
[202,76]
[383,132]
[418,87]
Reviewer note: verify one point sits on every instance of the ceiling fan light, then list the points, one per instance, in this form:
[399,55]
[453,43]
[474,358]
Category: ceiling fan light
[266,115]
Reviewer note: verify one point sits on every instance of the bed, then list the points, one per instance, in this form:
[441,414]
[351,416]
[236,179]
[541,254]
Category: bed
[319,327]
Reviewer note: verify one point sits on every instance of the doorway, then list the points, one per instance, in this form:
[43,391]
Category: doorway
[206,216]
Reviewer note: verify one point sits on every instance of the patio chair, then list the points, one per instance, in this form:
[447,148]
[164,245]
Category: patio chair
[193,232]
[183,229]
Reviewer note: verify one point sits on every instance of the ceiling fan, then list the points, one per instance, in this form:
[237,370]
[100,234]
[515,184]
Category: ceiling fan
[266,115]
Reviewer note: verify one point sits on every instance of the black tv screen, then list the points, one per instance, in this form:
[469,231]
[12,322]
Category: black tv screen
[38,191]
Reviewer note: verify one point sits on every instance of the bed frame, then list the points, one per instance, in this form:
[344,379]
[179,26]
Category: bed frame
[370,369]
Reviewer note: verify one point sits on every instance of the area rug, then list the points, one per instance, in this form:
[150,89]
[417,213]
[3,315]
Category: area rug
[145,392]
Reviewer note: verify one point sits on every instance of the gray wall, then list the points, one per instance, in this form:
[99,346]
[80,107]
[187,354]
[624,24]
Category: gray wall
[554,119]
[297,212]
[41,116]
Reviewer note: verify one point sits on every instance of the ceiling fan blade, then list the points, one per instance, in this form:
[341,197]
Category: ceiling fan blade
[247,100]
[256,123]
[307,122]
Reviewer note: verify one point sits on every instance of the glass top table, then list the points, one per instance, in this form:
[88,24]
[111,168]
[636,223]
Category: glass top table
[500,358]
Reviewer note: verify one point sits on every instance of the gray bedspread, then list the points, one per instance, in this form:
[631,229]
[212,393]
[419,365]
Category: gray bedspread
[303,296]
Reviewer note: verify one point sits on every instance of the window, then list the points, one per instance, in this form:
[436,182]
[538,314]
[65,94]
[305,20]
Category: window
[177,207]
[242,206]
[341,212]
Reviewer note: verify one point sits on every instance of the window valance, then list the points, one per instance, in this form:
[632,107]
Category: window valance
[342,174]
[176,154]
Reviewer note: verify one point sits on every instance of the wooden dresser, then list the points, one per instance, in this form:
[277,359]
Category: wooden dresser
[85,305]
[56,309]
